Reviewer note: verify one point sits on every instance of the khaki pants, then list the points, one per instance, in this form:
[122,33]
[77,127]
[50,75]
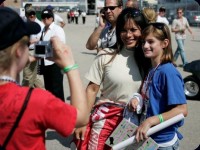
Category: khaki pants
[30,77]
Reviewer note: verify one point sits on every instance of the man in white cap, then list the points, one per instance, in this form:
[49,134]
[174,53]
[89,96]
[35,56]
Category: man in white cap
[57,19]
[53,78]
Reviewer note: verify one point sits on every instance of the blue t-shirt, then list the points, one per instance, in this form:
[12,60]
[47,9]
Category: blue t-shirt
[165,92]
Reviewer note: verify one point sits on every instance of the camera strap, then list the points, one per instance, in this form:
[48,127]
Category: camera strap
[3,147]
[41,37]
[40,62]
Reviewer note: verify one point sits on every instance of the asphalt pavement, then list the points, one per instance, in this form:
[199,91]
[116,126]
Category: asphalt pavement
[76,38]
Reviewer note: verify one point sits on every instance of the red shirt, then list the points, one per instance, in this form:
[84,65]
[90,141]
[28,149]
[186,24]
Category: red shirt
[44,111]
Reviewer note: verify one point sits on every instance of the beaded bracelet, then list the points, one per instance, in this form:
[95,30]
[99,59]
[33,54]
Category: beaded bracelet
[69,68]
[161,118]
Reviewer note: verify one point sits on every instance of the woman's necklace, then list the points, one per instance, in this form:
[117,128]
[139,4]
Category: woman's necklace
[8,79]
[148,80]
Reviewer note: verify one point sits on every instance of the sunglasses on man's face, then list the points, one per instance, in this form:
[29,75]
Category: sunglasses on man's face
[31,14]
[159,26]
[46,16]
[110,7]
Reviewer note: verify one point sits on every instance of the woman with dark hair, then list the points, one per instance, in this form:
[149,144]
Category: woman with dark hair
[119,73]
[130,16]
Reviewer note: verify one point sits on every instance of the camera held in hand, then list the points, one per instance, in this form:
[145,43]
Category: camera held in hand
[43,49]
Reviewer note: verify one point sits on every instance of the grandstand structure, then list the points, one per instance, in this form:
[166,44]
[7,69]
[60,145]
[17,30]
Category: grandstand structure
[54,3]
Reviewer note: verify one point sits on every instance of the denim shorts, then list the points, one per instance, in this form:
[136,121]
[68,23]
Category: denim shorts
[173,147]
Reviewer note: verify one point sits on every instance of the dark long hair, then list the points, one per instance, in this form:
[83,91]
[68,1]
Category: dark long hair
[136,15]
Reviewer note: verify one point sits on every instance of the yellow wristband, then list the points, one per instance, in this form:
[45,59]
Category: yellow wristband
[69,68]
[161,118]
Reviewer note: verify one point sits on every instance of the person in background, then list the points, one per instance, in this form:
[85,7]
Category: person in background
[117,74]
[179,27]
[53,78]
[68,17]
[162,90]
[105,35]
[22,11]
[57,19]
[149,14]
[161,16]
[83,14]
[76,15]
[30,77]
[44,110]
[131,3]
[72,16]
[27,6]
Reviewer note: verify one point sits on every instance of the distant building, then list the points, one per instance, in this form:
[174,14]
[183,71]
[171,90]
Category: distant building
[40,4]
[93,6]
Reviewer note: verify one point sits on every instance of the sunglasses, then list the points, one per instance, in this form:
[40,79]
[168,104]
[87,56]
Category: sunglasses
[133,13]
[110,8]
[31,14]
[159,26]
[46,16]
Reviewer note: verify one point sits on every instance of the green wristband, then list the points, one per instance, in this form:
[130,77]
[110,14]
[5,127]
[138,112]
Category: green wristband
[69,68]
[161,118]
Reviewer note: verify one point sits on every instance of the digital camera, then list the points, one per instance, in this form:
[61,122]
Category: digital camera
[43,49]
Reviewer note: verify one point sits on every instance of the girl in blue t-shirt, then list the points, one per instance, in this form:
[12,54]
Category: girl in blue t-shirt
[162,90]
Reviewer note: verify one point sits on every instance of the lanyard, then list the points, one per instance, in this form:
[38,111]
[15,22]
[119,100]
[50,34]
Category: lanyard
[148,79]
[110,36]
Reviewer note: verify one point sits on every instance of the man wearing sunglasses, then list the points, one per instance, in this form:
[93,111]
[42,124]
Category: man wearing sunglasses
[104,35]
[53,78]
[57,19]
[179,27]
[30,77]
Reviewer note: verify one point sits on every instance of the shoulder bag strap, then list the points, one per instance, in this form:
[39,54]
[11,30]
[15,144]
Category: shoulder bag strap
[18,118]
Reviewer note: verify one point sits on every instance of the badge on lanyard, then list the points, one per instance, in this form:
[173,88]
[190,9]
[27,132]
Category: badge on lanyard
[145,92]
